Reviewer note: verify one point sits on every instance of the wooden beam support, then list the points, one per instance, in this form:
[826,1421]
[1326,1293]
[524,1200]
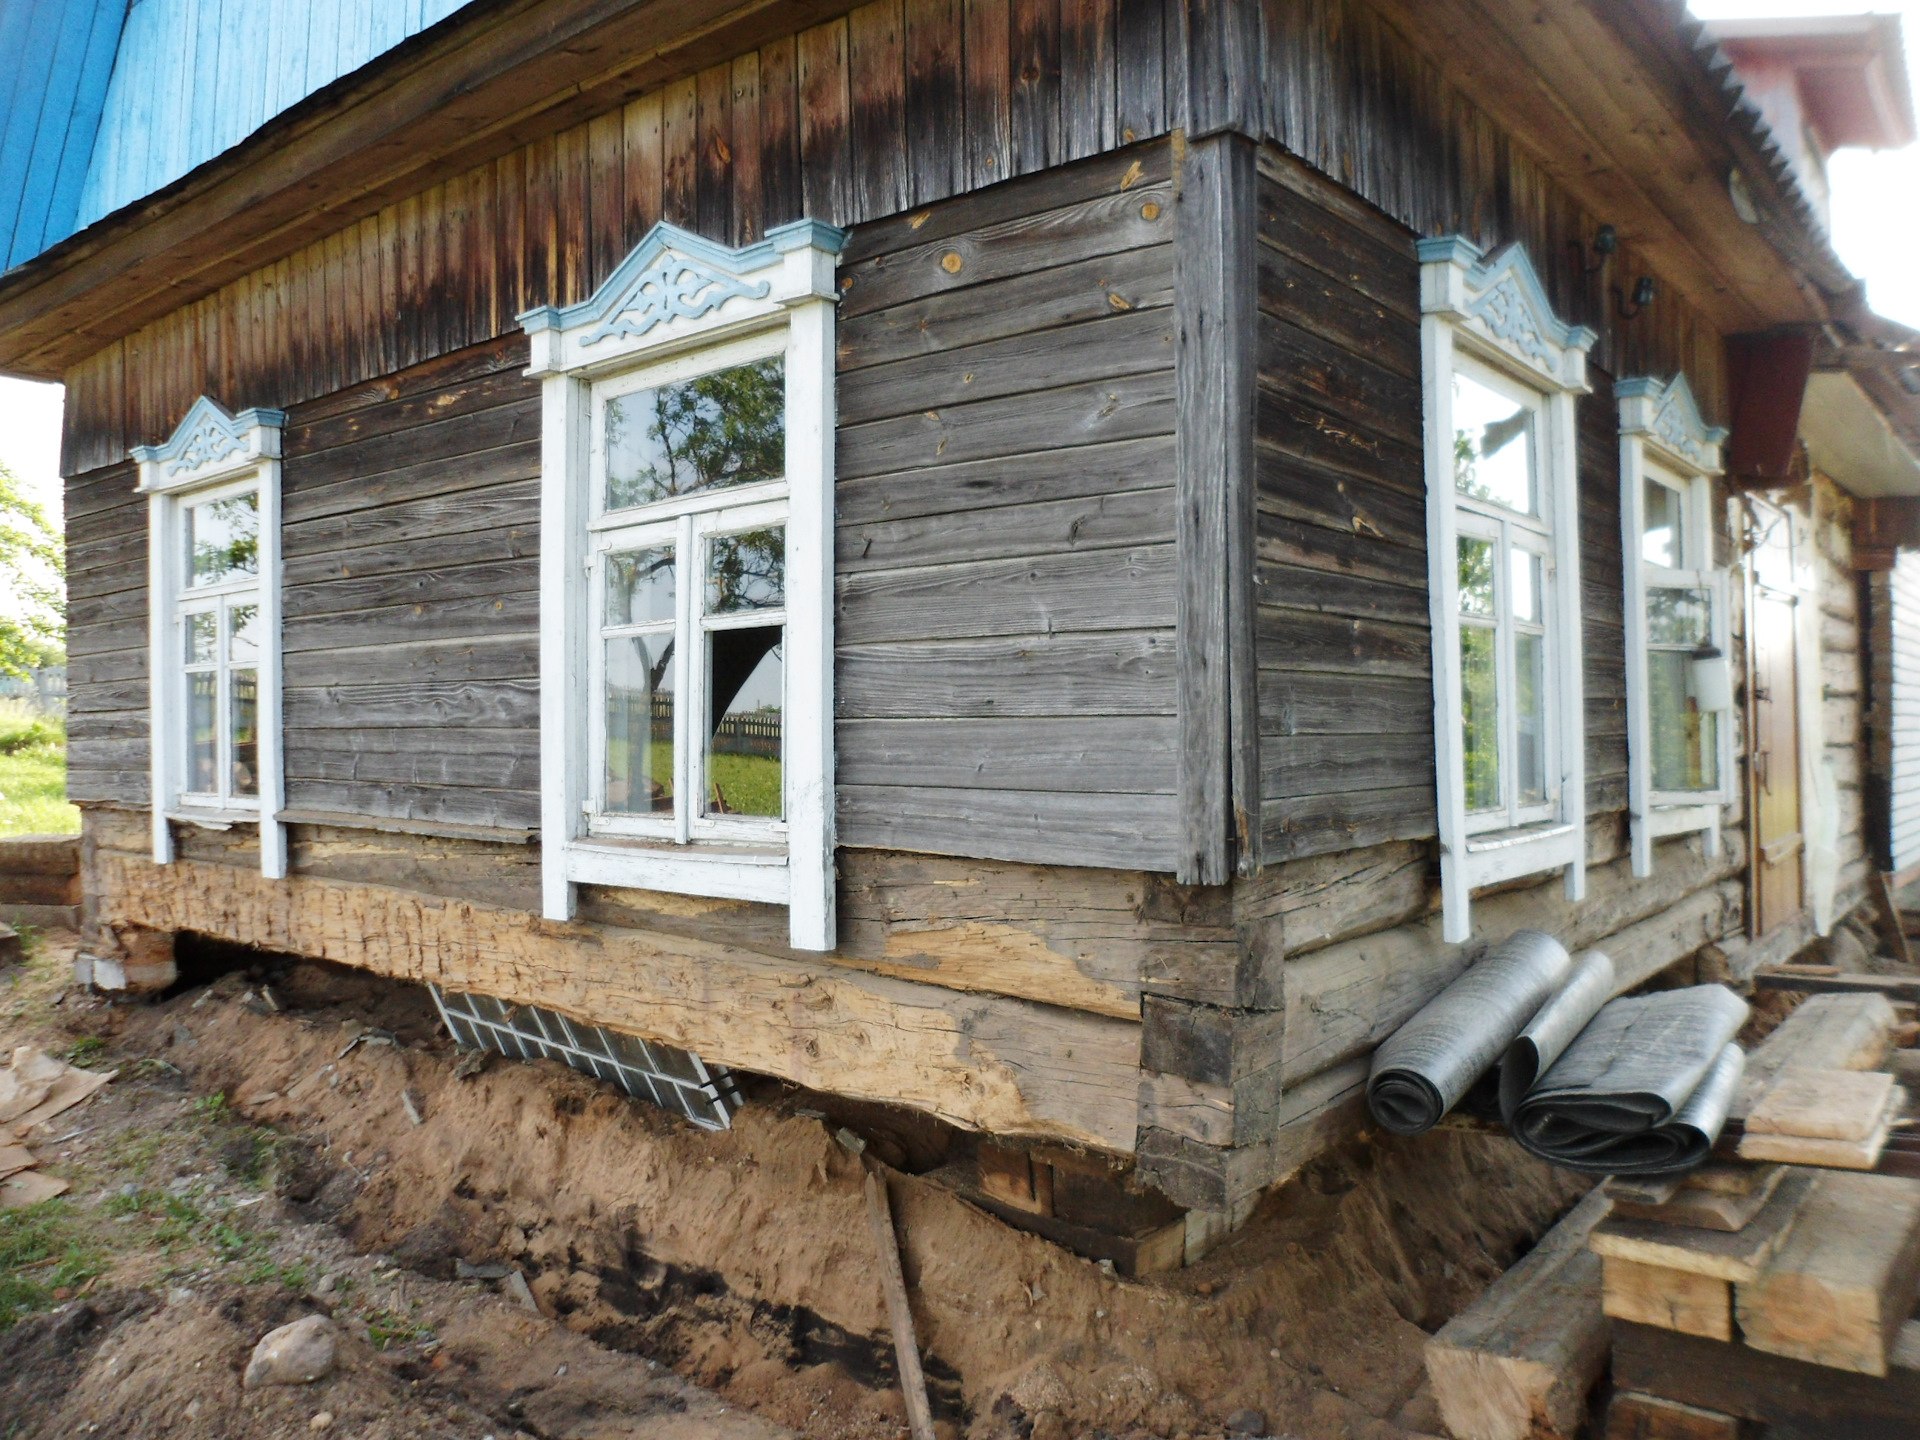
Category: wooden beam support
[1215,290]
[978,1061]
[1885,524]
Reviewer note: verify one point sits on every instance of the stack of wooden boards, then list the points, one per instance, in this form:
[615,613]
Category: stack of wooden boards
[1798,1277]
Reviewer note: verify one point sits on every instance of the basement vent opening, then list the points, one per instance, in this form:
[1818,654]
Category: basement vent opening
[675,1080]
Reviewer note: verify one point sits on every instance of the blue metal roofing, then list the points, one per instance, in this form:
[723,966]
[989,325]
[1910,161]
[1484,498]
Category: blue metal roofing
[60,53]
[110,100]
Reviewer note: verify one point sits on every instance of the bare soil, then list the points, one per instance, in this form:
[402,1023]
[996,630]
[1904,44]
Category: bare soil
[665,1258]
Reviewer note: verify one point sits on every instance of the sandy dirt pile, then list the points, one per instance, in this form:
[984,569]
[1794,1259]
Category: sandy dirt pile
[742,1258]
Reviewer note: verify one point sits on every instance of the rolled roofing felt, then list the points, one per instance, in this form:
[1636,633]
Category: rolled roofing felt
[1643,1090]
[1420,1072]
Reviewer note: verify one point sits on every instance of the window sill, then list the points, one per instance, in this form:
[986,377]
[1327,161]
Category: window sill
[1499,855]
[208,818]
[1665,818]
[757,873]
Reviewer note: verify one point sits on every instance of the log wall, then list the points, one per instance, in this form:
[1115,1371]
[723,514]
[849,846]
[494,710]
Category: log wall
[893,106]
[1893,657]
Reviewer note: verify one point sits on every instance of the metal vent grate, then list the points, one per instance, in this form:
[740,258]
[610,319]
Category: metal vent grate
[675,1080]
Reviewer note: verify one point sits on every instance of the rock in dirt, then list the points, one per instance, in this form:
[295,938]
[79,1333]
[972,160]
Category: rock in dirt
[1247,1422]
[296,1354]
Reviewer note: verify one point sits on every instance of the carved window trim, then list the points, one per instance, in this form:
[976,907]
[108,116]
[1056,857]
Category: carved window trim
[211,455]
[1490,312]
[1665,440]
[677,298]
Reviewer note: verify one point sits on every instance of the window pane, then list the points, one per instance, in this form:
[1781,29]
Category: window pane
[1530,718]
[747,571]
[203,638]
[223,539]
[1525,579]
[1492,446]
[1663,541]
[1479,717]
[1476,576]
[713,431]
[745,688]
[245,734]
[243,639]
[1686,753]
[203,743]
[640,586]
[640,725]
[1677,617]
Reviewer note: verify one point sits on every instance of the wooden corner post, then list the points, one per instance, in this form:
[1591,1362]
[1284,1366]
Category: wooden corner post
[1215,291]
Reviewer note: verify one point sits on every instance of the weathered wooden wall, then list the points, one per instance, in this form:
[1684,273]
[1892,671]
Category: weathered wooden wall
[1005,554]
[1893,674]
[107,726]
[899,104]
[410,594]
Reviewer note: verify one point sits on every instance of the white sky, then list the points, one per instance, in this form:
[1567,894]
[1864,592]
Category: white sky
[1876,215]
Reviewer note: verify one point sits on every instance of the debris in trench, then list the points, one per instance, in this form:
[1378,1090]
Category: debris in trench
[913,1382]
[34,1089]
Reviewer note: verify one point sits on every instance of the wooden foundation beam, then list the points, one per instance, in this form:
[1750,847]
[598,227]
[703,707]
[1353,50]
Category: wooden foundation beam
[979,1061]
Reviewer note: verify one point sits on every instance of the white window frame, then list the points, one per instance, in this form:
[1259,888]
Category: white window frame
[1489,316]
[212,455]
[680,306]
[1664,439]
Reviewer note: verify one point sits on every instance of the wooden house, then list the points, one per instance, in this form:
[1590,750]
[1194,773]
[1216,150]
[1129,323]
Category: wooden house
[1059,563]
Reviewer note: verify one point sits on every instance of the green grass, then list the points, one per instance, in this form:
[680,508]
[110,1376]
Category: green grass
[40,1253]
[33,775]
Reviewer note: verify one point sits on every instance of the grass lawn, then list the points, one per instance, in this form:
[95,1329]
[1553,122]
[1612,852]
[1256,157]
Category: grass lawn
[33,776]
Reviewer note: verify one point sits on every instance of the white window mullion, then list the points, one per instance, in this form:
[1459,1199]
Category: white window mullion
[690,672]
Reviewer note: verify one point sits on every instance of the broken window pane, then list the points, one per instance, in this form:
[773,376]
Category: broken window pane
[746,684]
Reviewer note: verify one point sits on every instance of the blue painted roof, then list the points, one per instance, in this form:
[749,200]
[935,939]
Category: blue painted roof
[61,53]
[110,101]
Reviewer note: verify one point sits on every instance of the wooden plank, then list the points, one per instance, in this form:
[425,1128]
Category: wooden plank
[1829,1032]
[1086,754]
[1893,987]
[1087,77]
[1044,827]
[713,153]
[935,113]
[1219,744]
[1735,1256]
[1785,1399]
[1034,106]
[1518,1362]
[906,1349]
[983,1062]
[1676,1300]
[747,149]
[1822,1104]
[1101,590]
[780,188]
[679,153]
[1140,71]
[1644,1417]
[1698,1200]
[1844,1283]
[825,156]
[1101,673]
[989,92]
[876,84]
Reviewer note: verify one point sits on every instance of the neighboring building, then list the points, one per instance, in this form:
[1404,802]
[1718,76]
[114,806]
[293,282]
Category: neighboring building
[1061,565]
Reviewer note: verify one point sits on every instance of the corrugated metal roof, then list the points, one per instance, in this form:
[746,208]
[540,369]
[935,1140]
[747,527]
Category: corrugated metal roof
[60,53]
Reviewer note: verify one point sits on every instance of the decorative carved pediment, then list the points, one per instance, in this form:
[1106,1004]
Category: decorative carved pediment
[1500,299]
[675,284]
[1665,414]
[207,443]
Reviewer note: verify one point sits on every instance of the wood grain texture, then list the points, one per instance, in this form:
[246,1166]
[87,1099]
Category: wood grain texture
[980,1062]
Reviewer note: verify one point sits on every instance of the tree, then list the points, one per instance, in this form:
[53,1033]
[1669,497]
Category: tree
[33,604]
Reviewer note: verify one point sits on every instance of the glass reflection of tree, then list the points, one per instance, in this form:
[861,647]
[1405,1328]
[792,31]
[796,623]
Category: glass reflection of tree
[1479,686]
[717,430]
[234,546]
